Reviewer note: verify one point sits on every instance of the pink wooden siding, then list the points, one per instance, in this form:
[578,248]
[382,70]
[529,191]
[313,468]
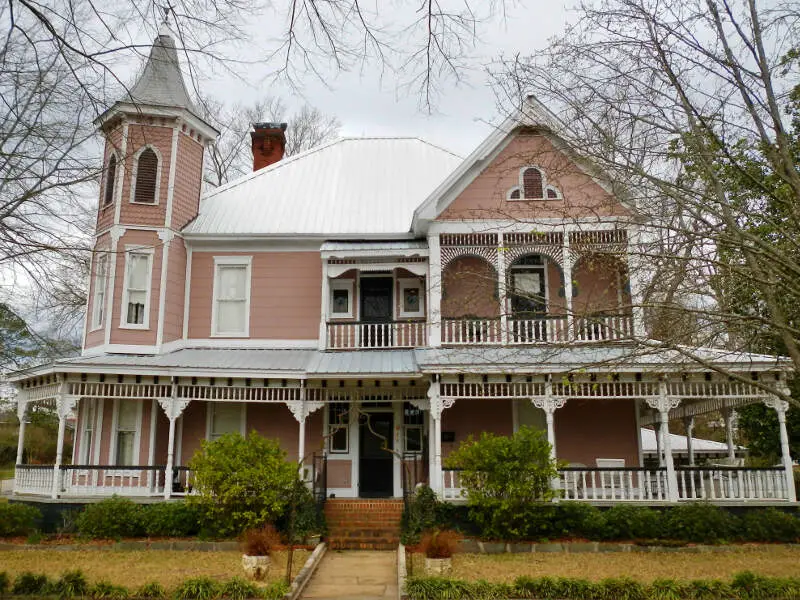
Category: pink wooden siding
[485,197]
[147,239]
[97,336]
[471,417]
[339,473]
[176,280]
[469,288]
[194,430]
[189,175]
[105,214]
[285,294]
[597,282]
[591,429]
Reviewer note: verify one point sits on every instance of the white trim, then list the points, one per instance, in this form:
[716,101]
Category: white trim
[99,431]
[150,253]
[178,450]
[112,284]
[182,114]
[151,448]
[521,186]
[639,450]
[341,284]
[104,189]
[240,343]
[134,171]
[237,261]
[104,259]
[173,159]
[510,269]
[407,283]
[388,255]
[137,442]
[541,225]
[162,289]
[122,169]
[247,244]
[187,291]
[210,406]
[339,454]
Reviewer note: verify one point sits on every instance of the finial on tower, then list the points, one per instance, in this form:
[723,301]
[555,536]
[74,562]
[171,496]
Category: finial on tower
[163,28]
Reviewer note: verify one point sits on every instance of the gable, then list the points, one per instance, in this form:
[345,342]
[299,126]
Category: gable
[488,195]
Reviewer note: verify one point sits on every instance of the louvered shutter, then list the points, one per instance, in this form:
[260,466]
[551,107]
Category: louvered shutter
[146,172]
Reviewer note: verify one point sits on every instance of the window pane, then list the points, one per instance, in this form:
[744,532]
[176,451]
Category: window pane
[125,441]
[232,283]
[413,439]
[411,300]
[225,418]
[230,316]
[527,284]
[532,182]
[338,421]
[137,274]
[136,302]
[341,301]
[339,439]
[126,416]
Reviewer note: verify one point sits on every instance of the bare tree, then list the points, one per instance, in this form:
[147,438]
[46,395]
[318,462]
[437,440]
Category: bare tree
[230,156]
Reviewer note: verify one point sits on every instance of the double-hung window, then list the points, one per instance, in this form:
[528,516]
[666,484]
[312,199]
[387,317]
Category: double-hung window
[87,431]
[225,418]
[231,313]
[338,427]
[128,413]
[99,300]
[136,298]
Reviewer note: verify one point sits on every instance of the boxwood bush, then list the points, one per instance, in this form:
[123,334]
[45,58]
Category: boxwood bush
[170,519]
[114,518]
[18,519]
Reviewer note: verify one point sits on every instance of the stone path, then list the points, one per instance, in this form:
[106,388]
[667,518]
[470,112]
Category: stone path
[355,575]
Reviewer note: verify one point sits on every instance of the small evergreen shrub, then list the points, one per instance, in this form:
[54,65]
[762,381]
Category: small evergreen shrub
[18,519]
[419,515]
[579,519]
[170,519]
[114,518]
[152,590]
[197,588]
[5,582]
[700,523]
[627,522]
[620,588]
[30,584]
[103,590]
[771,525]
[71,584]
[238,589]
[275,591]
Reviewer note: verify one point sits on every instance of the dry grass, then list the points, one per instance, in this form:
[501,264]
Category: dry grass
[136,567]
[644,566]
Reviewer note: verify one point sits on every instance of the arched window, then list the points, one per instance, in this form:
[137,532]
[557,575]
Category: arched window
[514,195]
[533,183]
[111,176]
[146,177]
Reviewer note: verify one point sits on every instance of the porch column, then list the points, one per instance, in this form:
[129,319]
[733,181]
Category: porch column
[173,408]
[65,403]
[660,443]
[566,270]
[434,283]
[300,410]
[22,410]
[663,403]
[780,407]
[437,404]
[501,288]
[549,404]
[728,414]
[689,423]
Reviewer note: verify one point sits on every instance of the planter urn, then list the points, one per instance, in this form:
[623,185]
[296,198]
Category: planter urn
[438,566]
[255,567]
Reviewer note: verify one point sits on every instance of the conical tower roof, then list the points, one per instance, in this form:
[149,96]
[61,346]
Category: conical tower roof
[161,83]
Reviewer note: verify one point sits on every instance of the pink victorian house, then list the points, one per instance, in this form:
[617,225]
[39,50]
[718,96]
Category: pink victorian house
[370,303]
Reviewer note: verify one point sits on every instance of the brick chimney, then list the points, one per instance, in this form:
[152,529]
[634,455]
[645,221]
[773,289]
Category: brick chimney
[269,143]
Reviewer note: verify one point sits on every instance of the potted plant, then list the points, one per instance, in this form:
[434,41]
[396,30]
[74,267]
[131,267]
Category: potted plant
[258,544]
[439,547]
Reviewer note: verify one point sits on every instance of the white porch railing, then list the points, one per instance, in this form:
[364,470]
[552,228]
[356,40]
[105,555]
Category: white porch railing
[33,479]
[537,331]
[397,334]
[603,328]
[636,484]
[480,332]
[628,484]
[731,484]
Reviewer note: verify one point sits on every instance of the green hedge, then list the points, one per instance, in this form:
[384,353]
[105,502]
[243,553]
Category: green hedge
[694,522]
[117,518]
[744,586]
[18,519]
[73,584]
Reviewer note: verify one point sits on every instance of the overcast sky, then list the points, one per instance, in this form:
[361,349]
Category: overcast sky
[370,104]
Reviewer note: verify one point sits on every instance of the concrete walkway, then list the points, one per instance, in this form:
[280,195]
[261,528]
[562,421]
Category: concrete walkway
[356,575]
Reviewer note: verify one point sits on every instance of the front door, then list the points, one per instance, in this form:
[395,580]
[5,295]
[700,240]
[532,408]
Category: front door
[376,460]
[376,311]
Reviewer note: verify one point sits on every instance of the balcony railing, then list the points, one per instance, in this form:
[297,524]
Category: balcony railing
[637,484]
[395,334]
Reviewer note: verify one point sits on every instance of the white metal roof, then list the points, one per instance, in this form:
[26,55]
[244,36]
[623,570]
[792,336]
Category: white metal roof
[678,443]
[378,362]
[353,186]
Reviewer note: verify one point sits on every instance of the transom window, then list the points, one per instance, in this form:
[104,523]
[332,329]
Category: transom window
[338,427]
[136,297]
[146,183]
[231,315]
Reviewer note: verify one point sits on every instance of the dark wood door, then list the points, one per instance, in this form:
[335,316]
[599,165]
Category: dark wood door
[375,461]
[376,299]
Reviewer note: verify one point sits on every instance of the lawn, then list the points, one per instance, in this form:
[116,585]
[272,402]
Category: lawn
[6,471]
[134,568]
[644,566]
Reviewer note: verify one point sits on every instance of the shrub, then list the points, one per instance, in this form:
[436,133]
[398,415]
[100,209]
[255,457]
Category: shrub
[30,584]
[701,523]
[103,590]
[113,518]
[622,588]
[262,541]
[238,589]
[5,582]
[709,589]
[307,520]
[666,589]
[579,519]
[275,591]
[153,590]
[439,544]
[18,519]
[770,525]
[170,519]
[197,588]
[241,483]
[418,515]
[71,584]
[626,522]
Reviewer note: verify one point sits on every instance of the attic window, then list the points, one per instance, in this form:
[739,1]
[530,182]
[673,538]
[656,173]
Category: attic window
[533,183]
[111,176]
[146,177]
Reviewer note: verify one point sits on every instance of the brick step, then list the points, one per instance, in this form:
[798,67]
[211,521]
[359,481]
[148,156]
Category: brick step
[365,531]
[358,522]
[362,545]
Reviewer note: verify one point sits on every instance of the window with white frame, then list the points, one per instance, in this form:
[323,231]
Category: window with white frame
[338,427]
[341,298]
[412,298]
[231,315]
[100,282]
[87,431]
[146,176]
[413,426]
[227,417]
[126,452]
[136,296]
[533,186]
[111,178]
